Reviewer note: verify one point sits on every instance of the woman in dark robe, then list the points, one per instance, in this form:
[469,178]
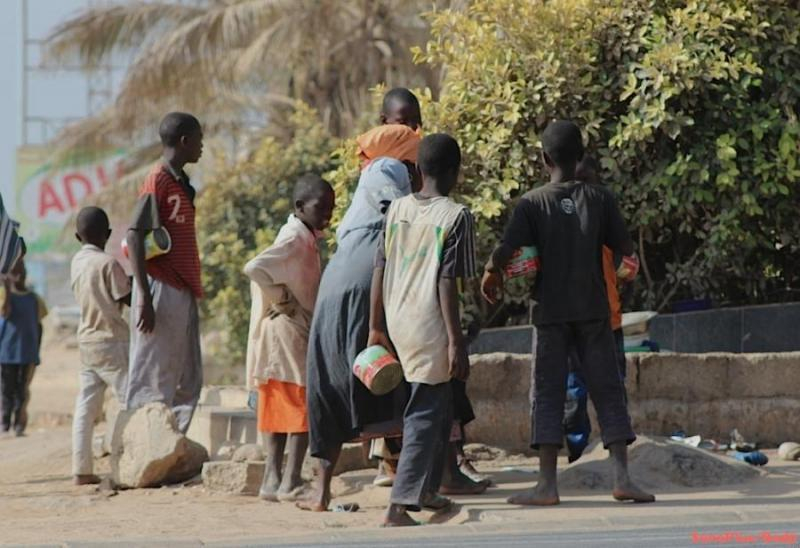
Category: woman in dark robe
[340,407]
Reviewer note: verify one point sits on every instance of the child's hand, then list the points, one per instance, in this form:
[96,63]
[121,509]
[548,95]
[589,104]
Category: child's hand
[380,338]
[459,361]
[492,287]
[286,308]
[147,316]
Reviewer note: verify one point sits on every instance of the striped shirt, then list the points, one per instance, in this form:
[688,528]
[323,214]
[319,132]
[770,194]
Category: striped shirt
[167,201]
[10,242]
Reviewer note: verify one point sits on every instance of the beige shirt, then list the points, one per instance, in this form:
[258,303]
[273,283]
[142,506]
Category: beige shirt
[287,272]
[99,283]
[416,231]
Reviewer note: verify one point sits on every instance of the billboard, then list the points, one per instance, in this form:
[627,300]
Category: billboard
[47,195]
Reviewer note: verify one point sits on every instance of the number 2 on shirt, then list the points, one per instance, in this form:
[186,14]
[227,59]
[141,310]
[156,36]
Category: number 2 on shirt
[175,201]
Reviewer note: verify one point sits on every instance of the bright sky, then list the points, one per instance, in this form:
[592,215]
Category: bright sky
[60,94]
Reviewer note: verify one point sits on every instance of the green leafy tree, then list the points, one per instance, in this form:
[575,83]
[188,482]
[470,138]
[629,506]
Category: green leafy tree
[240,212]
[691,106]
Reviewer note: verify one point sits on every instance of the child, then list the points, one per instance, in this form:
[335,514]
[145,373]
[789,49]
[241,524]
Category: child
[165,362]
[577,426]
[284,283]
[22,313]
[569,221]
[414,309]
[101,287]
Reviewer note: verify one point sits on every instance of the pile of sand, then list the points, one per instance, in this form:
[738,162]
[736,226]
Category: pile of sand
[658,463]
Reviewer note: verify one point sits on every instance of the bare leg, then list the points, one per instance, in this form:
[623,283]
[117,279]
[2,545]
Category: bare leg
[274,445]
[397,516]
[319,500]
[455,482]
[292,480]
[545,493]
[624,488]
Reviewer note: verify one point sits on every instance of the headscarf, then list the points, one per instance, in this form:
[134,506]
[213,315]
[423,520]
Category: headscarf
[392,140]
[383,180]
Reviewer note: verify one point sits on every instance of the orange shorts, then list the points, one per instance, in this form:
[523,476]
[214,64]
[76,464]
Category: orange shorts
[282,408]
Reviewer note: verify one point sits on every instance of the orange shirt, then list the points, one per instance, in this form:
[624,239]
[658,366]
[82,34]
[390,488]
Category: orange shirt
[610,276]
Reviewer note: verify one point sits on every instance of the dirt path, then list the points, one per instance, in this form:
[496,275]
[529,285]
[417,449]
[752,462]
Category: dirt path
[38,503]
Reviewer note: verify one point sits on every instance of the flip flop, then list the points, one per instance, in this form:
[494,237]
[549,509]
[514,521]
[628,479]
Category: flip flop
[436,502]
[347,507]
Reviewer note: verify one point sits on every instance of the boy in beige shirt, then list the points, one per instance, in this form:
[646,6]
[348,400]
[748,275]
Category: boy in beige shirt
[101,287]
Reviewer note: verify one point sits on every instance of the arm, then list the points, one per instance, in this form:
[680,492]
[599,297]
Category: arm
[5,305]
[618,239]
[519,232]
[377,316]
[147,315]
[457,344]
[258,274]
[126,300]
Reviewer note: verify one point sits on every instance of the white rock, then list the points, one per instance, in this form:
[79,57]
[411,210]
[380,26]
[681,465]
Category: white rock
[148,450]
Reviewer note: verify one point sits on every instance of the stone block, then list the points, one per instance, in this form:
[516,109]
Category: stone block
[499,388]
[238,478]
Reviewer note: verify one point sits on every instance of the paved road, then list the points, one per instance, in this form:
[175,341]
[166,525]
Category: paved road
[784,533]
[662,537]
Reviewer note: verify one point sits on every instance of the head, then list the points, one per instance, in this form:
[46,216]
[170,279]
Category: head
[439,160]
[19,274]
[182,133]
[92,227]
[400,106]
[588,170]
[314,200]
[563,146]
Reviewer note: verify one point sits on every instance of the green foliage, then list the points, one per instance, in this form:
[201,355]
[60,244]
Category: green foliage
[241,210]
[690,106]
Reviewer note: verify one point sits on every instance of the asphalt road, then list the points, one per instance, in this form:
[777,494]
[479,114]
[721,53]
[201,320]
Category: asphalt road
[750,535]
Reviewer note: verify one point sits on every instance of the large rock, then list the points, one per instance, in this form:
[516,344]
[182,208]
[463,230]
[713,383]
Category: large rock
[657,463]
[148,450]
[238,478]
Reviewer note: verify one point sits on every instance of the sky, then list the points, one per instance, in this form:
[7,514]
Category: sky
[58,94]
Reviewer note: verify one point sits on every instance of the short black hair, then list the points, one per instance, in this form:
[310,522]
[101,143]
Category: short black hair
[400,95]
[438,155]
[563,143]
[92,224]
[176,125]
[310,186]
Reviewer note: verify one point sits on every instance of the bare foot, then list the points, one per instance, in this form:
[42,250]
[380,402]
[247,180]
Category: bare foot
[315,502]
[396,516]
[628,491]
[86,479]
[460,484]
[269,488]
[540,495]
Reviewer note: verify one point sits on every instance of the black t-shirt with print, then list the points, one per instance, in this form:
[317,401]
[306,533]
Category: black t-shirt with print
[569,223]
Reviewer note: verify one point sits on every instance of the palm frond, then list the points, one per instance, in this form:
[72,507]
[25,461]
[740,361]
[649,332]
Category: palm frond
[101,32]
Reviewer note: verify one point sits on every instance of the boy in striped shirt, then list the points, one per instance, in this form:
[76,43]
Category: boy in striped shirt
[165,364]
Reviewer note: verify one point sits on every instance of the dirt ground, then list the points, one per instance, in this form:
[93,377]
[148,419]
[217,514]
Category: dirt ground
[38,504]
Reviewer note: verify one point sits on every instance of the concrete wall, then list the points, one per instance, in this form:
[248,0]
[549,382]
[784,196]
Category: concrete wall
[706,394]
[765,328]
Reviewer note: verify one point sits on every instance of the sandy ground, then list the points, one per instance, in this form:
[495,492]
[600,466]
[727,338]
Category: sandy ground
[38,504]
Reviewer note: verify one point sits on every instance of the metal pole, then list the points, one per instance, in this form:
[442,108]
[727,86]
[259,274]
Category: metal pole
[24,80]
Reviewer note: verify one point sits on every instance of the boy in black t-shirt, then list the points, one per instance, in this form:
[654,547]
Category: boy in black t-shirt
[569,222]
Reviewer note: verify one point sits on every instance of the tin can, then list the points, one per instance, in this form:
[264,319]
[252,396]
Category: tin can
[525,260]
[378,370]
[156,242]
